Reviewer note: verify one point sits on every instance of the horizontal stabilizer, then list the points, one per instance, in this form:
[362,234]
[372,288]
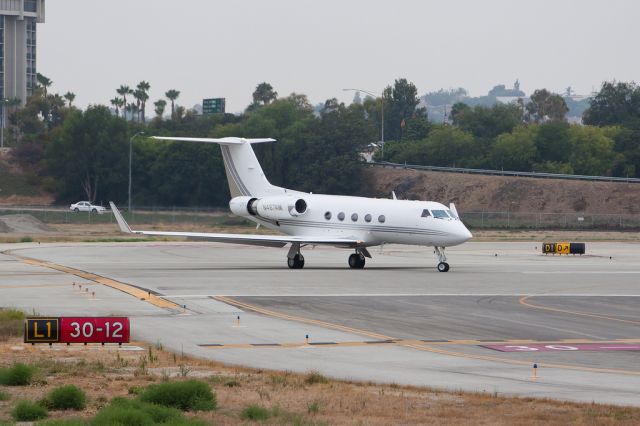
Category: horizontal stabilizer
[221,141]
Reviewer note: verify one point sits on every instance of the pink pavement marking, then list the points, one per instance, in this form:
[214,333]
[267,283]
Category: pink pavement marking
[565,347]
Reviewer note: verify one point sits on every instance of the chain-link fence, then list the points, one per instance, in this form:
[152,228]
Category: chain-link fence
[150,215]
[524,220]
[212,216]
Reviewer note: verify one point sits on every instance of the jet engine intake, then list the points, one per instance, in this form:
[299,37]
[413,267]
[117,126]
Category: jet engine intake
[274,208]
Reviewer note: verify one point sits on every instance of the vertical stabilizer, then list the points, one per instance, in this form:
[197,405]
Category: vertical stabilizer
[244,173]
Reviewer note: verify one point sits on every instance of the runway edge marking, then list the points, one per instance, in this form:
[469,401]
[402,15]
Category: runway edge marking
[125,288]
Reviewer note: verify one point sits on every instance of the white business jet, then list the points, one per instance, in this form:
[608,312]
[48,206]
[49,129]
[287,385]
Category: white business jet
[312,219]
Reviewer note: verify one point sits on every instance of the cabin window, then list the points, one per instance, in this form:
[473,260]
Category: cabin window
[354,217]
[381,218]
[327,215]
[425,213]
[341,216]
[367,218]
[440,214]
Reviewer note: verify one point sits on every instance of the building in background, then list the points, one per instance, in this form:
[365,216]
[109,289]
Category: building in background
[18,19]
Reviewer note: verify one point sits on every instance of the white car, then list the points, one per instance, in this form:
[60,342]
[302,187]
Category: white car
[85,206]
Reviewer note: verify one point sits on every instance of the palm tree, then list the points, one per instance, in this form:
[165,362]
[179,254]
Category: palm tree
[160,106]
[117,104]
[44,82]
[69,96]
[144,87]
[123,91]
[141,97]
[172,95]
[264,93]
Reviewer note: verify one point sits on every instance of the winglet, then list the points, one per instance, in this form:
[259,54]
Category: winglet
[124,226]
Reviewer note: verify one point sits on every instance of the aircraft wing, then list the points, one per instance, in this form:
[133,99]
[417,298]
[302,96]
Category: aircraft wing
[258,240]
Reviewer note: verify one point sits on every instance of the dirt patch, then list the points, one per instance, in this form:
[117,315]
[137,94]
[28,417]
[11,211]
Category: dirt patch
[23,224]
[477,193]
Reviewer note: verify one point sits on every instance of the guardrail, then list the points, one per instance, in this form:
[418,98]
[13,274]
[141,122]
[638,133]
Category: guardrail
[502,172]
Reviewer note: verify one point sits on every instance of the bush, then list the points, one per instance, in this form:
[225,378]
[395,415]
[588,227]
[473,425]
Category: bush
[4,396]
[255,412]
[68,397]
[136,413]
[18,375]
[27,411]
[315,377]
[190,395]
[26,239]
[11,323]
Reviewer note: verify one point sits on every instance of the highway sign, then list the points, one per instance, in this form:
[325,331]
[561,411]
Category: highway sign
[213,106]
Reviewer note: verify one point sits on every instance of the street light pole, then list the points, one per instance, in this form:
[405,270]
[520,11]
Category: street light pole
[381,114]
[130,155]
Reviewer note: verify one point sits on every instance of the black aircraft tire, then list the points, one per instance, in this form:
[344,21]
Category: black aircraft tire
[443,267]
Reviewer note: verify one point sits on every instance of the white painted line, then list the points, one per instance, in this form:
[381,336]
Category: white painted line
[582,272]
[200,296]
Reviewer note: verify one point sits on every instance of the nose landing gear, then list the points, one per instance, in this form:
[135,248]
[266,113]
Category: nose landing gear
[443,266]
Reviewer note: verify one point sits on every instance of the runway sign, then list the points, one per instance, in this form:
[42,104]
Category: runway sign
[564,347]
[77,330]
[42,330]
[563,248]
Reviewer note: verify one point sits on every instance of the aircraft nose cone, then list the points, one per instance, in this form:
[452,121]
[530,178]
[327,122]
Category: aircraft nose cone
[461,234]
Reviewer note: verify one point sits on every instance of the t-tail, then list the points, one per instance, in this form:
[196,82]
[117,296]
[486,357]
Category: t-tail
[244,173]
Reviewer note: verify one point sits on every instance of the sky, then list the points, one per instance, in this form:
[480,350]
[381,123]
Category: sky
[211,48]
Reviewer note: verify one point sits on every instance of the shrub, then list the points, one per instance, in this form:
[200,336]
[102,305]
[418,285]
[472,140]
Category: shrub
[125,412]
[68,397]
[18,375]
[26,239]
[190,395]
[11,323]
[4,396]
[255,412]
[315,377]
[26,411]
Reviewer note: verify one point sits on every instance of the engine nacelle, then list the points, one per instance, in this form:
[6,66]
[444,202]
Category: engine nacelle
[274,208]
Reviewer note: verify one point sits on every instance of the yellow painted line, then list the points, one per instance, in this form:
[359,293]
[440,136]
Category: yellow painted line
[324,324]
[125,288]
[523,301]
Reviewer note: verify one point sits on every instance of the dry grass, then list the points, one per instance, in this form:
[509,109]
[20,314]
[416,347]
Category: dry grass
[290,398]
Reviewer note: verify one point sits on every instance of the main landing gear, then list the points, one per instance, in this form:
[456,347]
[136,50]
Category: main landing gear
[356,261]
[295,259]
[443,266]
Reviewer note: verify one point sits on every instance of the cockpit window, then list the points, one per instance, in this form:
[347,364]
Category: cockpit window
[440,214]
[425,213]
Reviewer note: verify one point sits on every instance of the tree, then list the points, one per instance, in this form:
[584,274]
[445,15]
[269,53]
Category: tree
[591,151]
[141,98]
[143,88]
[69,96]
[117,104]
[44,82]
[615,103]
[516,150]
[123,91]
[264,94]
[486,122]
[159,105]
[400,102]
[545,106]
[172,95]
[89,156]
